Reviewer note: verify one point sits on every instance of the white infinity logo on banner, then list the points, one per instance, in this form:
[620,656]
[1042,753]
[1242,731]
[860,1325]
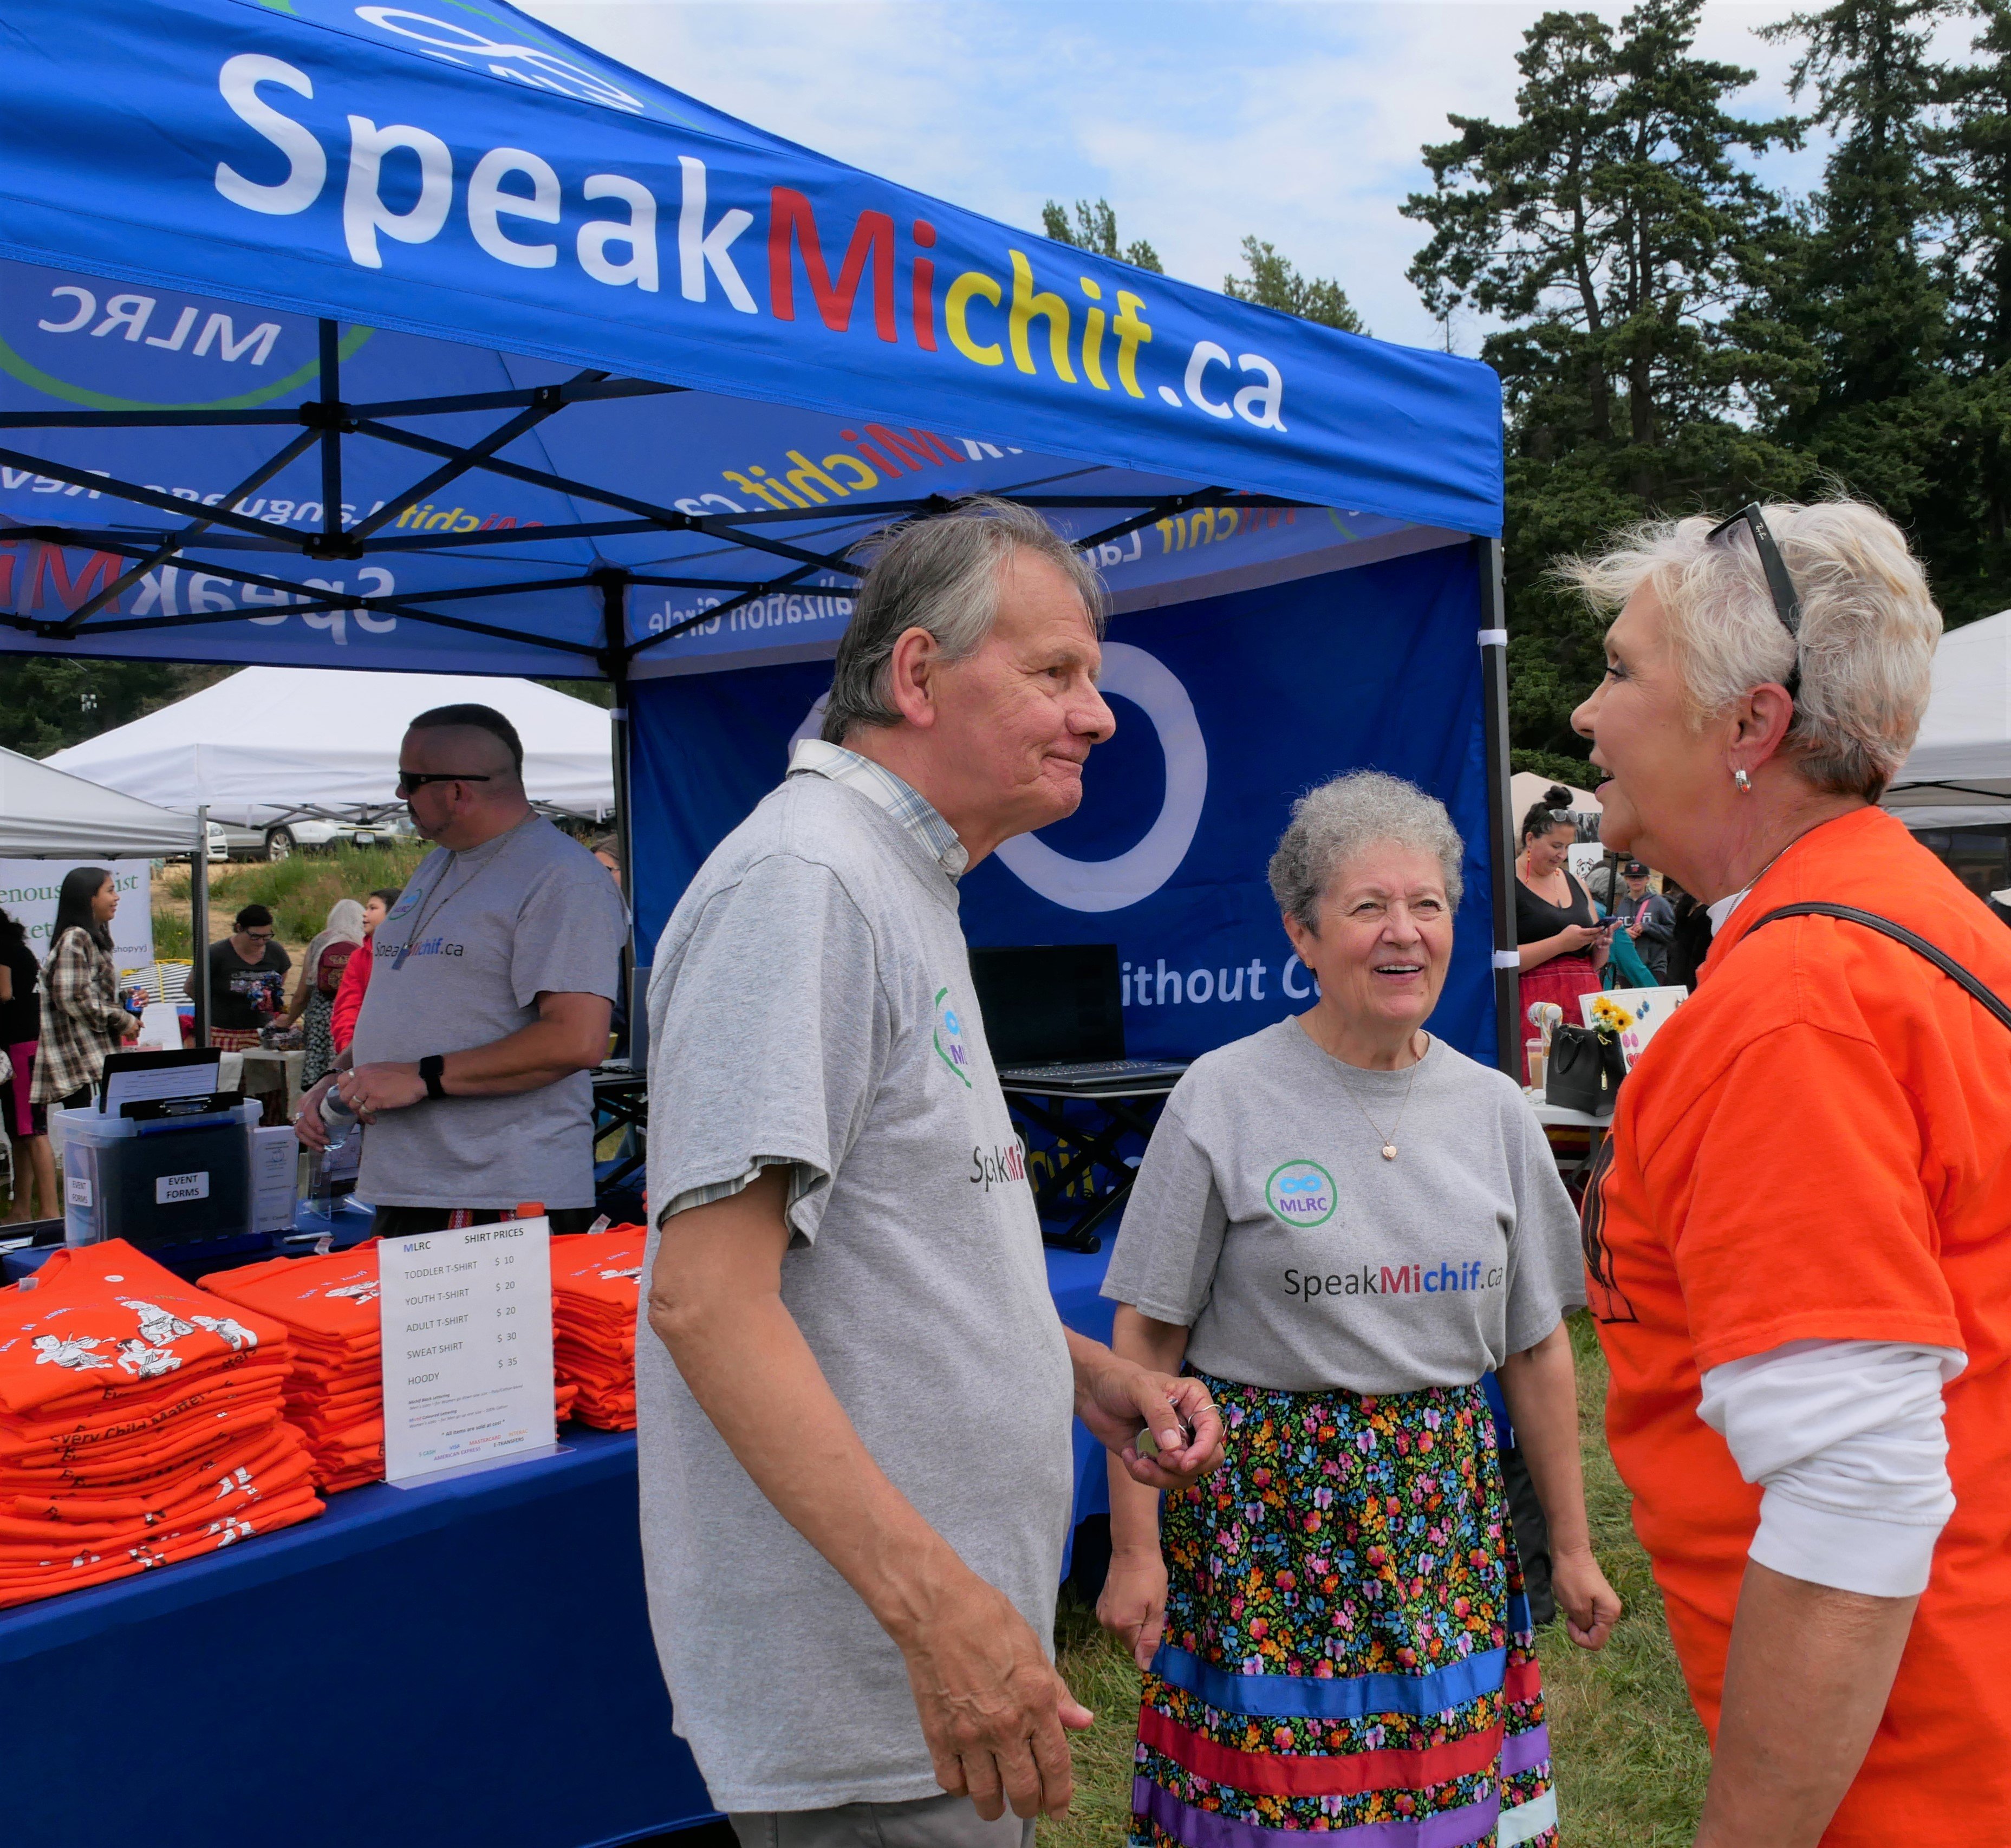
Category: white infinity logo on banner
[521,63]
[1111,885]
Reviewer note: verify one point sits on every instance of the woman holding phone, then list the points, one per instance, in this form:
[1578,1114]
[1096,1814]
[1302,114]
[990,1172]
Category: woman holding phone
[1560,939]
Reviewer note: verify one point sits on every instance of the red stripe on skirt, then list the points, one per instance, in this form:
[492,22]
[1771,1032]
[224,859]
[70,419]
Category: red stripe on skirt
[1279,1774]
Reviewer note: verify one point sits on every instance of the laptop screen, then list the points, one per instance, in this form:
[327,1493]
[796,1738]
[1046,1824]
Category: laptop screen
[1050,1003]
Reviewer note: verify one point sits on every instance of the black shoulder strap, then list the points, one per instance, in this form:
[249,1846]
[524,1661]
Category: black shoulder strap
[1899,933]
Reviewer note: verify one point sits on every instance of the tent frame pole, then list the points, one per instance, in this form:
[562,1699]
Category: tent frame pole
[199,923]
[1501,813]
[614,615]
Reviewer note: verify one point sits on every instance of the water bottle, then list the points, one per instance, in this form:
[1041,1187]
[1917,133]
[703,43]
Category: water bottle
[340,1122]
[337,1118]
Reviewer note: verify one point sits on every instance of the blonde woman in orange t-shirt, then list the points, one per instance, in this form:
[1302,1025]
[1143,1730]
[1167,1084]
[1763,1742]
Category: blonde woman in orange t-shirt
[1796,1235]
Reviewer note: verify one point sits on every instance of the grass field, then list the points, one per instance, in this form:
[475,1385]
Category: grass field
[298,891]
[1628,1755]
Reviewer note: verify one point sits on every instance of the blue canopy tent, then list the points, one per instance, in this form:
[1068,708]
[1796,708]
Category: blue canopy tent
[422,337]
[383,338]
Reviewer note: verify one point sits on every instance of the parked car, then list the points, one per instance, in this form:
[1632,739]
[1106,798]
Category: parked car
[227,841]
[309,834]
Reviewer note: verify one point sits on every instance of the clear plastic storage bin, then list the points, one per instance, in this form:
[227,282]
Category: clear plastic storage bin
[160,1184]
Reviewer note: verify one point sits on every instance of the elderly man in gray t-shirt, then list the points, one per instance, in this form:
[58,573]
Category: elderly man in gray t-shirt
[855,1421]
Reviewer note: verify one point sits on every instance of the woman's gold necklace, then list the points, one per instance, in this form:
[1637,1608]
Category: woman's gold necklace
[1389,1138]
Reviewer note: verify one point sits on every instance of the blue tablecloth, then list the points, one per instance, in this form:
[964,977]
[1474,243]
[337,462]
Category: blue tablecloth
[465,1662]
[468,1662]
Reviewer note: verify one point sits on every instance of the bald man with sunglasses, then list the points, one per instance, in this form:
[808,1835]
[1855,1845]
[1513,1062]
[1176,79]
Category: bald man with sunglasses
[491,984]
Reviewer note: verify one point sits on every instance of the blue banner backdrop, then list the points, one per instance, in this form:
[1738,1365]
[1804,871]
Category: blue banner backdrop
[1227,710]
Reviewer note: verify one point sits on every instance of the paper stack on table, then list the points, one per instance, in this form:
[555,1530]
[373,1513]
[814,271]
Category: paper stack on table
[141,1422]
[596,1277]
[329,1306]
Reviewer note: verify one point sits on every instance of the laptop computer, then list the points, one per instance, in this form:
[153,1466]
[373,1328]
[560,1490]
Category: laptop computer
[1054,1017]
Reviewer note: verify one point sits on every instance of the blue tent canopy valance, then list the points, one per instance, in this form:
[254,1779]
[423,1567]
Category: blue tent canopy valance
[422,337]
[427,338]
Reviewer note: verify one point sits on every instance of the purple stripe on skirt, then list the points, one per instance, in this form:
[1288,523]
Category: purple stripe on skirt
[1203,1829]
[1524,1751]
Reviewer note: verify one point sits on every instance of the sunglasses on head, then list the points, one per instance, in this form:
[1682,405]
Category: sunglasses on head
[1781,587]
[408,780]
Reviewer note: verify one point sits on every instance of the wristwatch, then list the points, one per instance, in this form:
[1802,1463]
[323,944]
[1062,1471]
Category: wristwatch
[430,1069]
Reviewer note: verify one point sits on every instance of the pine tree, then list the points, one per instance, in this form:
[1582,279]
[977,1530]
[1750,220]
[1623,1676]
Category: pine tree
[1973,566]
[1614,229]
[1275,282]
[1095,228]
[1864,294]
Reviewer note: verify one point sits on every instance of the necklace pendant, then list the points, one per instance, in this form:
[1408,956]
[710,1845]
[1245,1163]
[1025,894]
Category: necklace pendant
[1388,1151]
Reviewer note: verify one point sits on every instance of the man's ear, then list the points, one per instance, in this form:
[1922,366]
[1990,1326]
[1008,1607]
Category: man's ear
[911,677]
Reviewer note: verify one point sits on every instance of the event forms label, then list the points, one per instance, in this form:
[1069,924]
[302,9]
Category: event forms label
[467,1323]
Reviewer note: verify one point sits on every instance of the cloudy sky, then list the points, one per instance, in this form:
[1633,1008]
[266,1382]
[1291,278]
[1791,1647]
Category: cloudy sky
[1201,121]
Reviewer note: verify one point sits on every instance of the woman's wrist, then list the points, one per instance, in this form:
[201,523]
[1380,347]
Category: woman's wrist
[1137,1553]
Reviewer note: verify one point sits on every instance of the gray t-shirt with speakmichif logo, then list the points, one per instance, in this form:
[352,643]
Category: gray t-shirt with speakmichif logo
[473,941]
[1266,1219]
[812,1004]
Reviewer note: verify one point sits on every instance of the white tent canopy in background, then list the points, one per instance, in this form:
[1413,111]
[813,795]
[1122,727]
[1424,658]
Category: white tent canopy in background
[47,813]
[268,742]
[1526,789]
[1959,775]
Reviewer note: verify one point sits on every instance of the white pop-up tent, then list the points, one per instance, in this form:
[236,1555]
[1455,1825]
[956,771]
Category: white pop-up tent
[1526,789]
[271,742]
[1959,773]
[48,813]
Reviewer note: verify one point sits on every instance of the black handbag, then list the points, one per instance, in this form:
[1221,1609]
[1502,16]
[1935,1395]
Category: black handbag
[1584,1069]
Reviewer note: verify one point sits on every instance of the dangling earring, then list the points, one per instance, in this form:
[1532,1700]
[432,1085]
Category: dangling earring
[1744,782]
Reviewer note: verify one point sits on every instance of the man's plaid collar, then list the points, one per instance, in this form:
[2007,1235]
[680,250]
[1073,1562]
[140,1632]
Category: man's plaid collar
[814,757]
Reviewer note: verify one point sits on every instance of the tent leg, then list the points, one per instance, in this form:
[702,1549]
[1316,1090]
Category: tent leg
[624,848]
[199,923]
[1500,817]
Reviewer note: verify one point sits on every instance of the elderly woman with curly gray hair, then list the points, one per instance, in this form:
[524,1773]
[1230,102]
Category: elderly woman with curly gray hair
[1798,1233]
[1340,1225]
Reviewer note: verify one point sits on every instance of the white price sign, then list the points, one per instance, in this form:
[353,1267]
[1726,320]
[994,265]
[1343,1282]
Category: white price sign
[467,1322]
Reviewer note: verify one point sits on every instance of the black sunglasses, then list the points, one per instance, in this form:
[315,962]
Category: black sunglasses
[408,780]
[1787,600]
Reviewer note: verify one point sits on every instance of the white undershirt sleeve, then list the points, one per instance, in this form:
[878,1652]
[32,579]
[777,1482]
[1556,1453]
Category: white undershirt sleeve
[1845,1438]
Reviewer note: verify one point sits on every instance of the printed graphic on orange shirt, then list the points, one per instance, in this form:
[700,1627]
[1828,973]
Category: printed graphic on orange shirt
[1608,1301]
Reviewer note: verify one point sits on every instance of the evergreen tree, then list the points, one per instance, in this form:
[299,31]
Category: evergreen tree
[1095,228]
[1864,294]
[1275,282]
[48,701]
[1973,569]
[1615,230]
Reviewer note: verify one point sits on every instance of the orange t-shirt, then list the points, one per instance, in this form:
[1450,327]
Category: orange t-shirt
[1818,1146]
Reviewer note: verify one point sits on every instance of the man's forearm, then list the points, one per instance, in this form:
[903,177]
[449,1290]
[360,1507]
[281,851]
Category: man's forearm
[754,1376]
[528,1060]
[1807,1678]
[1134,1507]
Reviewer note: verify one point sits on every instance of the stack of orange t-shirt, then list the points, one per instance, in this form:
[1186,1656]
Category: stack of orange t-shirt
[329,1306]
[595,1278]
[141,1422]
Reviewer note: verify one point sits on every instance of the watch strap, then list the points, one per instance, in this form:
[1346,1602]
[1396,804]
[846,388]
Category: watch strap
[431,1068]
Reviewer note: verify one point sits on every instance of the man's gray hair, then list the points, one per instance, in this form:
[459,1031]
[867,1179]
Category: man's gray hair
[1331,825]
[940,574]
[1869,628]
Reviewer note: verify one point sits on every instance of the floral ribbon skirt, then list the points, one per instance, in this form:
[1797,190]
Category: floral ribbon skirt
[1348,1648]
